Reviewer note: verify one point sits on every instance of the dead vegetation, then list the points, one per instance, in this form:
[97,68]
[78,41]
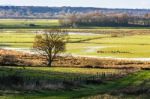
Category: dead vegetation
[9,58]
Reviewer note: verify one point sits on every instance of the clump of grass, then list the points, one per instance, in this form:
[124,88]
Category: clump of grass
[115,52]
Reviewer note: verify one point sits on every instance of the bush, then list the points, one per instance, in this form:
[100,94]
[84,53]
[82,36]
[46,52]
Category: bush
[8,60]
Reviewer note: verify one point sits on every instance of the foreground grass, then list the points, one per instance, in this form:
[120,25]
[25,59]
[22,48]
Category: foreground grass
[55,72]
[88,90]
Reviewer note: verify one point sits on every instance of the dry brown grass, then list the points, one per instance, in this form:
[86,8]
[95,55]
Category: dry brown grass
[100,63]
[24,59]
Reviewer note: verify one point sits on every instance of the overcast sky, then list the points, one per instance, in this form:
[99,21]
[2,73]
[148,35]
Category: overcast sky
[83,3]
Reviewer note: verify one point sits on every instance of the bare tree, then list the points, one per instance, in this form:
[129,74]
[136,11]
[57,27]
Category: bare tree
[50,43]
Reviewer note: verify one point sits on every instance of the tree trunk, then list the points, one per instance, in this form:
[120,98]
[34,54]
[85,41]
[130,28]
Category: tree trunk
[50,58]
[50,63]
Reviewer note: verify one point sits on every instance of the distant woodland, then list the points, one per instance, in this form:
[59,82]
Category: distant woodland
[99,19]
[57,12]
[80,16]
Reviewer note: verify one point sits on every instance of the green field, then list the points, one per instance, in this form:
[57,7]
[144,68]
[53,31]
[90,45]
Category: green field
[100,44]
[28,23]
[47,23]
[115,42]
[132,80]
[56,72]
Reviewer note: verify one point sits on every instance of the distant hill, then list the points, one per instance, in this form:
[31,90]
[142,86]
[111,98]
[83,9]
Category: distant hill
[58,12]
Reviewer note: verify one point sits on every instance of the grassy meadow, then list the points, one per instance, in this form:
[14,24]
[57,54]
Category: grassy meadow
[28,23]
[75,83]
[47,23]
[103,43]
[58,73]
[111,89]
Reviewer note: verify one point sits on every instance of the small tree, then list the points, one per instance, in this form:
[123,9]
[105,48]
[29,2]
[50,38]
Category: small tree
[50,43]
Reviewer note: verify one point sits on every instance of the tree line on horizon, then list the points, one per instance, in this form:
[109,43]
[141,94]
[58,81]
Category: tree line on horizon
[100,19]
[59,12]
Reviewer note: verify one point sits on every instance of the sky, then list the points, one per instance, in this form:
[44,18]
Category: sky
[81,3]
